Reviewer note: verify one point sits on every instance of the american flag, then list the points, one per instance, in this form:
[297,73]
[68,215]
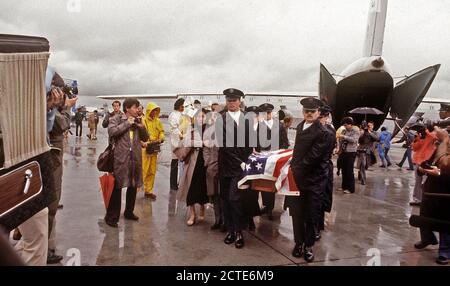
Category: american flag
[273,166]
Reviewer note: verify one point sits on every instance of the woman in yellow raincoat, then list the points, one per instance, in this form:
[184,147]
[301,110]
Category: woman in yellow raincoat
[156,135]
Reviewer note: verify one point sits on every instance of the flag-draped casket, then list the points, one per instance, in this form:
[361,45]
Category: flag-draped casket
[269,172]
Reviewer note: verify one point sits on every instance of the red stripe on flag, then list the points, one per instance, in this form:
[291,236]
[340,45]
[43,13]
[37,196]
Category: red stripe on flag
[279,165]
[292,184]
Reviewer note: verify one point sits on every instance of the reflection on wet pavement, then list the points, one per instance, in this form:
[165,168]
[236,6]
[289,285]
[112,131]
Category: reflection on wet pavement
[375,217]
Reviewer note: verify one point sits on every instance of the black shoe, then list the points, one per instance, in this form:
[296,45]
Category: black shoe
[383,166]
[60,207]
[230,238]
[251,225]
[215,226]
[131,217]
[389,164]
[416,204]
[111,224]
[410,169]
[442,260]
[52,258]
[239,243]
[298,251]
[422,245]
[223,228]
[309,255]
[398,165]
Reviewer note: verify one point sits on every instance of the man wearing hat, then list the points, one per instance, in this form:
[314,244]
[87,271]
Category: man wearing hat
[232,132]
[444,112]
[309,152]
[250,197]
[268,140]
[327,166]
[175,123]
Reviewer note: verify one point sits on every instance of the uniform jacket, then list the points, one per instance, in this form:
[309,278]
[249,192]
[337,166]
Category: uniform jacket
[237,151]
[268,138]
[309,152]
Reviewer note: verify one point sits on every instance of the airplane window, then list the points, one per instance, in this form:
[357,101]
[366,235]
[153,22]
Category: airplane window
[2,152]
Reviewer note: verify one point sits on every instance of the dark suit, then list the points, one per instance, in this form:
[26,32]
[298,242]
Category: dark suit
[284,140]
[309,152]
[268,140]
[327,166]
[234,150]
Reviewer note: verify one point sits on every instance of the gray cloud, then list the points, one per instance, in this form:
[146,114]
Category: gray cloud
[120,46]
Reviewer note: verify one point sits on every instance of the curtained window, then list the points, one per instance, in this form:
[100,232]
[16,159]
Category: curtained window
[22,106]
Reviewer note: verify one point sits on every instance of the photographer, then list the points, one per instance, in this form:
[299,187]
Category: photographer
[127,135]
[37,244]
[437,170]
[151,147]
[56,135]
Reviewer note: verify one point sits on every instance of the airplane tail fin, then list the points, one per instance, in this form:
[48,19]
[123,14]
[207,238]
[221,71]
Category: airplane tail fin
[408,94]
[373,45]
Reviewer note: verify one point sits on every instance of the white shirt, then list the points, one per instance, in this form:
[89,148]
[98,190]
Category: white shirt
[306,125]
[235,115]
[269,123]
[174,122]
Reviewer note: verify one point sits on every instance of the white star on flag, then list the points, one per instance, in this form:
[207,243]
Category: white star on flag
[253,159]
[248,167]
[259,166]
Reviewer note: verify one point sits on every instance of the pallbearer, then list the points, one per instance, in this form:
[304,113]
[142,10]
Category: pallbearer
[309,151]
[327,166]
[232,130]
[268,140]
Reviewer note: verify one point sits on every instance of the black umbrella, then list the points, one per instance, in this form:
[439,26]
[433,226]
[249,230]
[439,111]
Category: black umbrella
[366,110]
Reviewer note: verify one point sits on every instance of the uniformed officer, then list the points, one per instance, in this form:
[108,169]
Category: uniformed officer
[250,197]
[309,151]
[268,140]
[444,111]
[232,131]
[327,166]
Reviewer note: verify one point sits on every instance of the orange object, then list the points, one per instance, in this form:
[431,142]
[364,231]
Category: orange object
[107,187]
[263,185]
[424,148]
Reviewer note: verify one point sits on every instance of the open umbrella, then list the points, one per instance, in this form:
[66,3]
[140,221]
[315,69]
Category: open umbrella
[365,111]
[107,186]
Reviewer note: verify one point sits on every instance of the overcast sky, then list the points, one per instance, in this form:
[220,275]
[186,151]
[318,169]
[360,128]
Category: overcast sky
[171,46]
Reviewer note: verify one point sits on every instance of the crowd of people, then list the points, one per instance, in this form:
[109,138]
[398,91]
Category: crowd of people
[213,145]
[210,148]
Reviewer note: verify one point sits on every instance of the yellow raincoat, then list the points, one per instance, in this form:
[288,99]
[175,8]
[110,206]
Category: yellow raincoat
[156,132]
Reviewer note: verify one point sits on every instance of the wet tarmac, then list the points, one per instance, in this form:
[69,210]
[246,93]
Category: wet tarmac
[363,228]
